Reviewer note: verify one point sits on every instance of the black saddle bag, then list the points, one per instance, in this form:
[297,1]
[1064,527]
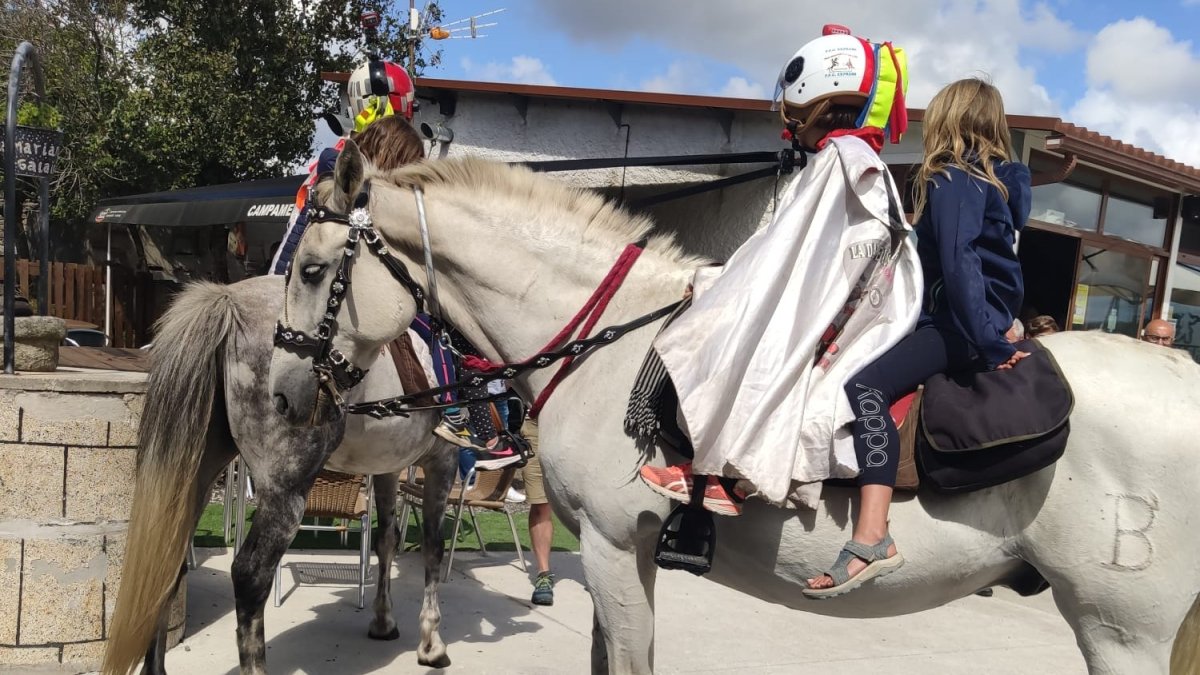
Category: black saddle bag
[984,429]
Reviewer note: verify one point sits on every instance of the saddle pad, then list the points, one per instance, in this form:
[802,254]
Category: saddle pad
[973,411]
[412,375]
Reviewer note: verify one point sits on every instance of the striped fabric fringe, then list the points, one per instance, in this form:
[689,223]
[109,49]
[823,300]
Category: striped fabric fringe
[652,392]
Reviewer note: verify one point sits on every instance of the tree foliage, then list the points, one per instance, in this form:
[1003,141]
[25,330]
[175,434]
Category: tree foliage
[163,94]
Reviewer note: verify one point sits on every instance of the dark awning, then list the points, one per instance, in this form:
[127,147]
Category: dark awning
[270,200]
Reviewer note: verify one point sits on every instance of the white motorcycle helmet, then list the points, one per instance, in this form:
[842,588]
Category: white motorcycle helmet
[836,68]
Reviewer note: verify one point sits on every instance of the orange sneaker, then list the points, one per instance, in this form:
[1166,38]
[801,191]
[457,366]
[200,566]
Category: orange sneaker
[672,482]
[720,502]
[675,482]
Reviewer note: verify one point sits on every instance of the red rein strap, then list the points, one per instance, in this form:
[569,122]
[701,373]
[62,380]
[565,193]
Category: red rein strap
[591,312]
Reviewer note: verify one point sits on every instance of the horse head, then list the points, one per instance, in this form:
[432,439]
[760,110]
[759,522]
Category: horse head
[333,325]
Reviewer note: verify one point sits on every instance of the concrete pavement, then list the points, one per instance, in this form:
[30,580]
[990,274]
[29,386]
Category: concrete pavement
[490,627]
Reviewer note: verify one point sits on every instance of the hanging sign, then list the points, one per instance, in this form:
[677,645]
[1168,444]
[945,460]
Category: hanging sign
[37,151]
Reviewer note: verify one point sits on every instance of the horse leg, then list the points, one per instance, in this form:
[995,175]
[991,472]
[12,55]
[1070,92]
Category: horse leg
[383,626]
[621,582]
[156,654]
[599,649]
[275,525]
[439,477]
[1115,640]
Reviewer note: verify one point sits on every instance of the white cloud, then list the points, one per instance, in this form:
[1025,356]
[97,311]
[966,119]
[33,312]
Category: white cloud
[1143,82]
[690,77]
[944,40]
[681,77]
[521,70]
[740,87]
[1144,89]
[1140,59]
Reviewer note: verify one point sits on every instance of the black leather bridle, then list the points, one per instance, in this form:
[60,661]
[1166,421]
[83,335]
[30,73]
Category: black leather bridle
[334,371]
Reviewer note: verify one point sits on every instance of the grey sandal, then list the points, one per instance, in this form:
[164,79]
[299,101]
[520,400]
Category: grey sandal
[878,565]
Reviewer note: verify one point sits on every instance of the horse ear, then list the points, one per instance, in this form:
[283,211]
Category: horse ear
[348,172]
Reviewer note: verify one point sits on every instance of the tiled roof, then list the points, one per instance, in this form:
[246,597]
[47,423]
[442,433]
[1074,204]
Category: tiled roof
[1186,176]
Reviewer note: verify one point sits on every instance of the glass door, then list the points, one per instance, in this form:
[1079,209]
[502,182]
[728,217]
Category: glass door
[1110,291]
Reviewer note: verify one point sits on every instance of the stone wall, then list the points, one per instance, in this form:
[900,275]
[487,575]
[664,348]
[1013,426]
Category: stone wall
[68,443]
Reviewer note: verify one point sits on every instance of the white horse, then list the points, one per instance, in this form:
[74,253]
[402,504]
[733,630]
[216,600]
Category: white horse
[1110,526]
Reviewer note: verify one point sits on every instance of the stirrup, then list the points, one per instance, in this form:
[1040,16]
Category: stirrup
[688,536]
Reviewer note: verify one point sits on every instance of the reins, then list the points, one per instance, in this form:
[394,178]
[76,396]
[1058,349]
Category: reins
[336,373]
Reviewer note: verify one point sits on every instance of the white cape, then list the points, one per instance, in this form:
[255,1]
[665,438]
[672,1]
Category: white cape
[757,403]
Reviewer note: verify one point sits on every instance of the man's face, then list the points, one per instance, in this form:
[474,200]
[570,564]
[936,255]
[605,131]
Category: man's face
[1159,335]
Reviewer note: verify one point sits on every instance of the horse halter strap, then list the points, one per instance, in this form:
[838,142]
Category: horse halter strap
[331,366]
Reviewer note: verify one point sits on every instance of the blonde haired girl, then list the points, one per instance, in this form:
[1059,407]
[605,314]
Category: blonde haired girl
[970,198]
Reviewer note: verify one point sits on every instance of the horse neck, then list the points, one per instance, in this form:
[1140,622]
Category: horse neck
[508,293]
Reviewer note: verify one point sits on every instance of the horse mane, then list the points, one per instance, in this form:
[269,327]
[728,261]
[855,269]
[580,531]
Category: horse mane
[602,221]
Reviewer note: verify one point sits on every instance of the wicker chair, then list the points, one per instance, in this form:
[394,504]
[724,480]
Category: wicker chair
[488,493]
[339,496]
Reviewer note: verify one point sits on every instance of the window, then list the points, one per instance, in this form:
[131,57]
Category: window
[1189,237]
[1185,309]
[1066,204]
[1130,214]
[1110,291]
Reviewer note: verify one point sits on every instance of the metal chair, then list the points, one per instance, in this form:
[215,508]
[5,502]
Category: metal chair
[339,496]
[487,492]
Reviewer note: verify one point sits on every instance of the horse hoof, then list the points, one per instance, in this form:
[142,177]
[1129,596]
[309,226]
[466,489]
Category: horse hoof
[393,634]
[442,661]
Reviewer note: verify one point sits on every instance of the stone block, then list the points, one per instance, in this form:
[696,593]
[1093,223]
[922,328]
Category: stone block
[124,432]
[70,419]
[10,588]
[62,596]
[84,655]
[114,550]
[31,481]
[10,416]
[100,483]
[35,342]
[28,656]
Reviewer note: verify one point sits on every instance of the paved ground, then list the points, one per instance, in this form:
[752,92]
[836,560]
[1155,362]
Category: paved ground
[491,627]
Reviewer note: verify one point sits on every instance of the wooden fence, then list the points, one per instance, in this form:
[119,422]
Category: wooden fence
[76,292]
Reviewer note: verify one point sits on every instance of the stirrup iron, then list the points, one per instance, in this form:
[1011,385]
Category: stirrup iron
[688,536]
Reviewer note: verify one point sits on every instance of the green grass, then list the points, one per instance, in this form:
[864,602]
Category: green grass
[493,526]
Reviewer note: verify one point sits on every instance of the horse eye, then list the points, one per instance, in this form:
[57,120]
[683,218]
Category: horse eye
[311,273]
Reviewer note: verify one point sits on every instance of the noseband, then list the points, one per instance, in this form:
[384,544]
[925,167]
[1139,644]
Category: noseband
[334,371]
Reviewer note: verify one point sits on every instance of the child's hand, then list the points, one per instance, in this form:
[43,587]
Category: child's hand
[1012,360]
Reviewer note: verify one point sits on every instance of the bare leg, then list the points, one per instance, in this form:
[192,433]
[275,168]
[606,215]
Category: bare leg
[541,532]
[871,528]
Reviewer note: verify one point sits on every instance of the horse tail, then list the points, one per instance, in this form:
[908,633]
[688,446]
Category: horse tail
[185,379]
[1185,653]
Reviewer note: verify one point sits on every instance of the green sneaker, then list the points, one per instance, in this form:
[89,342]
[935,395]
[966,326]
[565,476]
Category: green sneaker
[543,589]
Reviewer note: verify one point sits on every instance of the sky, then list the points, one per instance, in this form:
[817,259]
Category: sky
[1129,69]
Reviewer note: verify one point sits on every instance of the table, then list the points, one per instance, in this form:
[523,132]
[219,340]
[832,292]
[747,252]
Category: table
[105,358]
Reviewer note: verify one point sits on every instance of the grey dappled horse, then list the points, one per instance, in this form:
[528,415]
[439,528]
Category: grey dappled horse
[206,401]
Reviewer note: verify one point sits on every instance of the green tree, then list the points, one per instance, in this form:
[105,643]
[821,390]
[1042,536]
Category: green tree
[163,94]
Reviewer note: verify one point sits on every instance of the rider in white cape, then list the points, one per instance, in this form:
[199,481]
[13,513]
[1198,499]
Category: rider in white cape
[760,382]
[761,358]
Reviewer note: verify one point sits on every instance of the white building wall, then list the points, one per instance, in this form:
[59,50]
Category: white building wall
[513,128]
[713,224]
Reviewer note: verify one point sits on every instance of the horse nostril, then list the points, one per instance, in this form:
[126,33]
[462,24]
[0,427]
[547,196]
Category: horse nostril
[281,404]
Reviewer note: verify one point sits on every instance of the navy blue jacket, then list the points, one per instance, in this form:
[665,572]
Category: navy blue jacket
[325,163]
[965,239]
